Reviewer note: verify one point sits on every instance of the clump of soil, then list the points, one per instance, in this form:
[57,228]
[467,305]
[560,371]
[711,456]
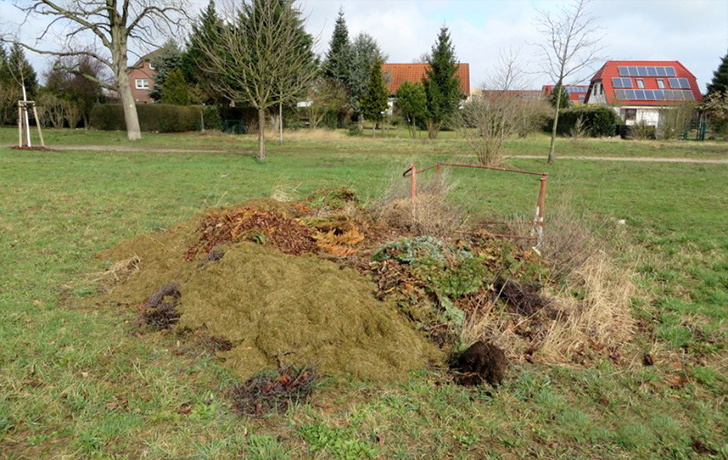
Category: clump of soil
[275,390]
[482,362]
[523,297]
[161,309]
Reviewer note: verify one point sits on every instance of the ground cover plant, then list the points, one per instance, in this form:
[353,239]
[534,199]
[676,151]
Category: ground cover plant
[77,381]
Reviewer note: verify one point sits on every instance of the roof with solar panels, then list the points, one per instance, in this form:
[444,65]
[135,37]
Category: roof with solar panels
[645,83]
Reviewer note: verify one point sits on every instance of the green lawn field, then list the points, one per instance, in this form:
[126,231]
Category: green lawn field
[75,382]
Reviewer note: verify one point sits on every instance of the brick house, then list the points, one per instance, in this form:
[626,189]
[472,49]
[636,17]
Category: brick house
[639,91]
[141,77]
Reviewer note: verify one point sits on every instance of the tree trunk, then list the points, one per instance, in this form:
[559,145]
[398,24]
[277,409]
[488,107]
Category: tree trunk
[261,134]
[280,123]
[556,123]
[133,132]
[374,127]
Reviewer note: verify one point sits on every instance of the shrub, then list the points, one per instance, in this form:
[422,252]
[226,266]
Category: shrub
[598,121]
[213,120]
[162,118]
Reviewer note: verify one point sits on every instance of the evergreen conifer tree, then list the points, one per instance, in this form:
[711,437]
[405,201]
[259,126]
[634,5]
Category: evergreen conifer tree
[374,100]
[563,100]
[175,90]
[337,64]
[441,83]
[719,84]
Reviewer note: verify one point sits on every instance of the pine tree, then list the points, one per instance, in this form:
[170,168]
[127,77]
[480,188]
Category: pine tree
[563,101]
[411,102]
[374,100]
[719,84]
[164,61]
[364,53]
[175,90]
[441,83]
[337,64]
[205,30]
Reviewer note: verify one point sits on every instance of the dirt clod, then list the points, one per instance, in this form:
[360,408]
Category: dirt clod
[161,308]
[482,362]
[523,297]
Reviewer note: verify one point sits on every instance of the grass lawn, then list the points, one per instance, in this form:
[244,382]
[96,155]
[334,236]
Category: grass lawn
[76,383]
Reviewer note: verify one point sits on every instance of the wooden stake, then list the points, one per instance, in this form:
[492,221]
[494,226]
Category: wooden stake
[37,123]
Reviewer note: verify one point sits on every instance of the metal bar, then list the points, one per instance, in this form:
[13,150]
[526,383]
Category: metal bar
[413,169]
[493,168]
[20,127]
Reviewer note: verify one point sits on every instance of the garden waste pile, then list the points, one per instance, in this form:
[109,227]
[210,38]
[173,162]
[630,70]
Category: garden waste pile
[325,283]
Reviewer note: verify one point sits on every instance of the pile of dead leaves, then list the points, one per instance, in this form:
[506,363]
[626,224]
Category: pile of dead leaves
[223,226]
[275,390]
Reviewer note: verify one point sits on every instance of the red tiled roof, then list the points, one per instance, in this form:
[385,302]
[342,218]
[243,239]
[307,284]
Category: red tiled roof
[413,73]
[573,95]
[611,70]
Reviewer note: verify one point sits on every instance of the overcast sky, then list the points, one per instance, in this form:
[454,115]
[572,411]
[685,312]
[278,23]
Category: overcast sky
[694,32]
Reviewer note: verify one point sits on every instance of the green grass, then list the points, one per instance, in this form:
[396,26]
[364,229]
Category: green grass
[75,382]
[394,141]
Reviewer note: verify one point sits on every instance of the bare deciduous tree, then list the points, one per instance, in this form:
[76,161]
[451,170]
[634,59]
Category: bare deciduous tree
[111,25]
[262,57]
[499,111]
[571,43]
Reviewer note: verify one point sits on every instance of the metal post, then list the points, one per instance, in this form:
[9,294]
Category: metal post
[437,173]
[414,182]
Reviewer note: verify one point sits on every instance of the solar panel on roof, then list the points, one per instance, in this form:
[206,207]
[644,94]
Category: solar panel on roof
[661,72]
[633,72]
[652,71]
[670,71]
[659,94]
[649,95]
[639,95]
[642,71]
[623,72]
[629,93]
[689,96]
[674,83]
[684,83]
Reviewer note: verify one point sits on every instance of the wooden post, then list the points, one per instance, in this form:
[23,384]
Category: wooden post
[37,124]
[20,126]
[414,182]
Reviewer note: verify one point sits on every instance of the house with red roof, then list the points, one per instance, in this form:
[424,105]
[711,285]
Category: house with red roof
[577,93]
[414,73]
[639,91]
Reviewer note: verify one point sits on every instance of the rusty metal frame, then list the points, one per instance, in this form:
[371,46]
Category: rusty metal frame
[538,222]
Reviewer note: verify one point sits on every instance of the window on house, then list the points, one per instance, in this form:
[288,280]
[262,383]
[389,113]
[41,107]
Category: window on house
[630,114]
[640,83]
[661,83]
[142,83]
[151,67]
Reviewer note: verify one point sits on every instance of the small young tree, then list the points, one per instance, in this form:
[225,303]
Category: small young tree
[374,100]
[571,43]
[441,83]
[675,120]
[175,90]
[327,97]
[365,52]
[261,58]
[113,25]
[559,96]
[719,83]
[411,102]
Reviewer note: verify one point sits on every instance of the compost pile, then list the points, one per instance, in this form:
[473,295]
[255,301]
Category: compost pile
[326,284]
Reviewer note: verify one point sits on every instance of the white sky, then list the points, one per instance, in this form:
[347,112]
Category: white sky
[694,32]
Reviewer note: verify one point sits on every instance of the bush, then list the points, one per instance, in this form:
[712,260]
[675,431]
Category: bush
[161,118]
[213,120]
[598,121]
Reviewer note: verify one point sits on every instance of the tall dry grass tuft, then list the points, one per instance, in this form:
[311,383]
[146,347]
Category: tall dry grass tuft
[590,299]
[430,213]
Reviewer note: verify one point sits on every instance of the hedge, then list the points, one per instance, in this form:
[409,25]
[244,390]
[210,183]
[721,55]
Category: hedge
[599,121]
[163,118]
